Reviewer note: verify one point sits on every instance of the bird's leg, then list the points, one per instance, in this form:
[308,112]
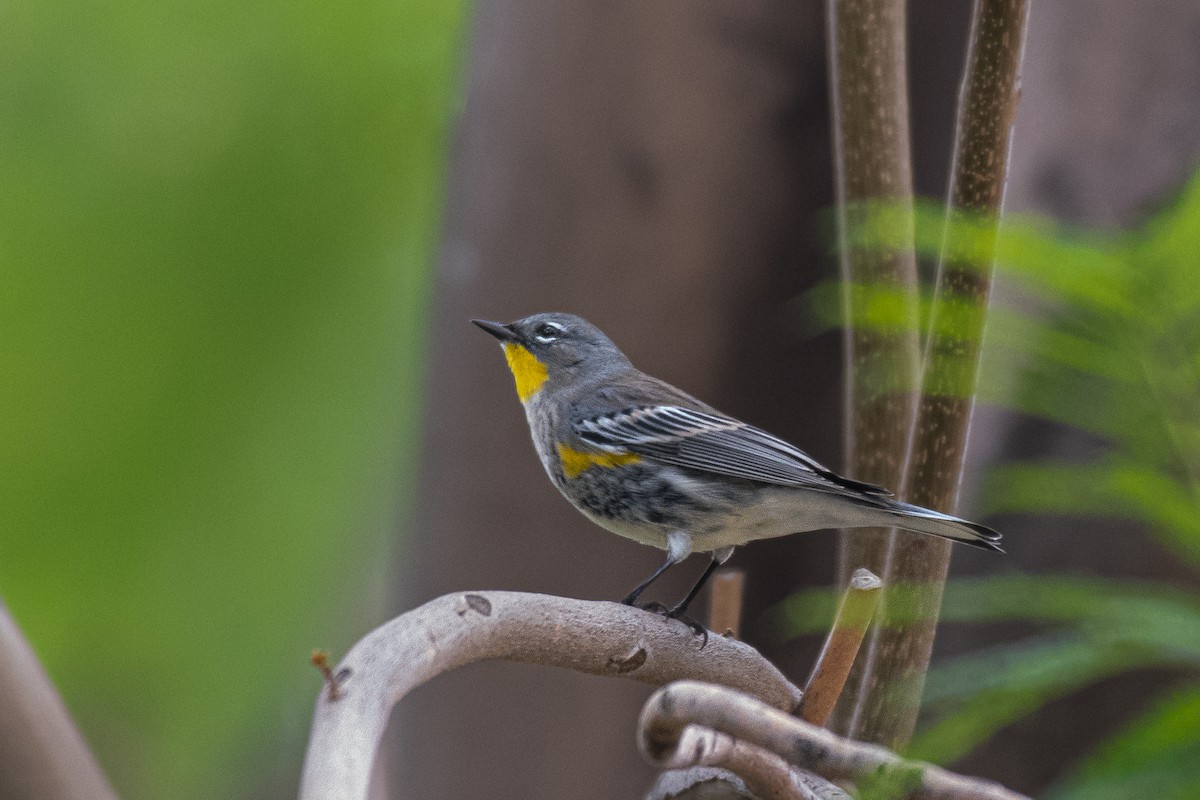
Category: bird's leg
[679,547]
[632,597]
[679,610]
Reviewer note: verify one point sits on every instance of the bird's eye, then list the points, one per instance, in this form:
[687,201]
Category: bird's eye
[547,332]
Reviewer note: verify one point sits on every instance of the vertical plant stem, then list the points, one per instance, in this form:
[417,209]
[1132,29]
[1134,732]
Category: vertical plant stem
[869,92]
[898,656]
[872,162]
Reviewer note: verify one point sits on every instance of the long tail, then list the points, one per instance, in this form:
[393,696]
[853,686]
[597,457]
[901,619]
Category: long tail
[926,520]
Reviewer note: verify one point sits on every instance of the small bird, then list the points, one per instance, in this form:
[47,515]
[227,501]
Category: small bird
[645,460]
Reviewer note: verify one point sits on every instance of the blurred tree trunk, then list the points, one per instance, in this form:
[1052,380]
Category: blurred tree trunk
[649,166]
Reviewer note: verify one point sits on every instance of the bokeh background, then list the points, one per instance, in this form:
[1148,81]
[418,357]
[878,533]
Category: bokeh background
[242,414]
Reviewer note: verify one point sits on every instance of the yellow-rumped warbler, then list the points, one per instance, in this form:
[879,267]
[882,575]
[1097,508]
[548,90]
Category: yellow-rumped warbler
[649,462]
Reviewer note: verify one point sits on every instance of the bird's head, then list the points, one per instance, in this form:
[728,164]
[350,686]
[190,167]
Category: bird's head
[550,350]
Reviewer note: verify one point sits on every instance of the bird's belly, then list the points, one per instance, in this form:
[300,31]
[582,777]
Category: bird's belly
[632,495]
[764,513]
[647,502]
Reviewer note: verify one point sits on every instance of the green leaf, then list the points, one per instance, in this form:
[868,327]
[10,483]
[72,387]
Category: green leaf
[1157,756]
[977,695]
[1050,487]
[803,613]
[1163,621]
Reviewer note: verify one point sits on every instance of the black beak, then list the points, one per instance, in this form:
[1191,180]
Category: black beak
[502,332]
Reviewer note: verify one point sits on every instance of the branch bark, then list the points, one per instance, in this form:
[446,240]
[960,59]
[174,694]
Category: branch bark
[762,773]
[673,709]
[766,775]
[600,638]
[898,656]
[699,783]
[42,753]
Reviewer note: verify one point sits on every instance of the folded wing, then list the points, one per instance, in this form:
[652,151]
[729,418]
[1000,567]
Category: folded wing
[710,442]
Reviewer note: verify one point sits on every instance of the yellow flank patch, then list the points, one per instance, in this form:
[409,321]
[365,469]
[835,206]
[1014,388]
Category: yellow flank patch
[529,372]
[576,461]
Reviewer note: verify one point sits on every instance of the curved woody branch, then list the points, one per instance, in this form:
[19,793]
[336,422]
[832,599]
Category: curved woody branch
[672,711]
[600,638]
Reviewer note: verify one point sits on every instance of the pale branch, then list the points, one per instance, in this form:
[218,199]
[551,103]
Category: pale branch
[897,657]
[767,776]
[672,709]
[837,656]
[725,601]
[699,783]
[600,638]
[42,753]
[713,783]
[868,88]
[744,773]
[817,788]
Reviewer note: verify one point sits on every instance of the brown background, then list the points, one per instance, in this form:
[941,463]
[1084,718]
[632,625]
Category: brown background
[663,168]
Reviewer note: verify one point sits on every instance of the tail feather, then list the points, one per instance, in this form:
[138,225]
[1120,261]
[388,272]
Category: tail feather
[925,520]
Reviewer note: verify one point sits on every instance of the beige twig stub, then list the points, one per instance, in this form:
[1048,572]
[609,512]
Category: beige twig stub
[829,674]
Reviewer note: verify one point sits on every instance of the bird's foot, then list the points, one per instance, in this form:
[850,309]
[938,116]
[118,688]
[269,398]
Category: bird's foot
[697,628]
[655,607]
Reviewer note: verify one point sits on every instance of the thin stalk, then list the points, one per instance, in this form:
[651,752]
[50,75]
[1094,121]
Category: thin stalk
[898,656]
[872,162]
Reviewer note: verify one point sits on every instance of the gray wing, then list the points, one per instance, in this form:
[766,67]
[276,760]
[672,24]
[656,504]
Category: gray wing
[708,442]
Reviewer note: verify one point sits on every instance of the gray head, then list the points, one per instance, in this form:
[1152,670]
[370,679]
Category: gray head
[550,350]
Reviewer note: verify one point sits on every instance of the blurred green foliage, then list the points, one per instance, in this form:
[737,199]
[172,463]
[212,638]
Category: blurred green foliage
[1100,332]
[216,228]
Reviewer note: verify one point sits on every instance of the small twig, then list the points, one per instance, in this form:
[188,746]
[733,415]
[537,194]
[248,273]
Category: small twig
[320,660]
[833,665]
[674,708]
[459,629]
[725,606]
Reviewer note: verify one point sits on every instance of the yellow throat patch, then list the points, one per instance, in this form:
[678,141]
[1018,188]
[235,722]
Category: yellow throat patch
[575,461]
[528,371]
